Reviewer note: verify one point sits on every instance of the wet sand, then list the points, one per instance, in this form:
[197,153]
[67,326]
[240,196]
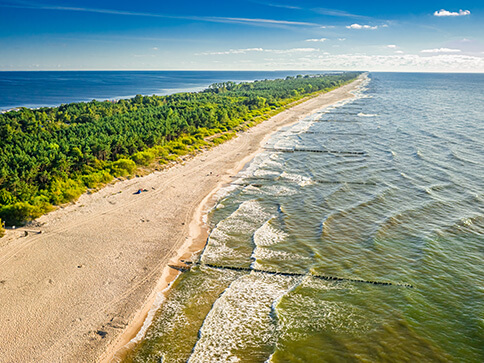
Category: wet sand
[80,290]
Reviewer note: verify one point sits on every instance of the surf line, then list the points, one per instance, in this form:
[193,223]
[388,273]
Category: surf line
[321,277]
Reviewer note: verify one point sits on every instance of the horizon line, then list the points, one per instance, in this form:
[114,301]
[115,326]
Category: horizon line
[237,70]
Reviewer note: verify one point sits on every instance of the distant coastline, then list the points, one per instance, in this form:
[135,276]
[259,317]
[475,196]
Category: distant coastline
[53,155]
[36,89]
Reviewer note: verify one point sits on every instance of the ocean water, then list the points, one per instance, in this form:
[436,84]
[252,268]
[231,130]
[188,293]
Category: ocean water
[378,241]
[49,88]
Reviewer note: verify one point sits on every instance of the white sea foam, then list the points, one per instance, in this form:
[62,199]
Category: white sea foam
[287,143]
[220,252]
[173,318]
[302,314]
[299,179]
[223,192]
[245,219]
[267,235]
[250,189]
[308,314]
[265,173]
[301,127]
[271,164]
[276,189]
[262,254]
[241,319]
[264,164]
[159,300]
[228,234]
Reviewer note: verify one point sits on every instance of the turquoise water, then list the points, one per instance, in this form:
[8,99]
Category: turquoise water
[396,197]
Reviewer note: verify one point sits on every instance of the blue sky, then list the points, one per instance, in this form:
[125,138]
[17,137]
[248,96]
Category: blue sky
[443,36]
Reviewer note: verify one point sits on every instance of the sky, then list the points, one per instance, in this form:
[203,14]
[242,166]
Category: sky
[406,36]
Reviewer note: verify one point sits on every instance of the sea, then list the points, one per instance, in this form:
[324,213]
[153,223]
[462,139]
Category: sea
[53,88]
[357,235]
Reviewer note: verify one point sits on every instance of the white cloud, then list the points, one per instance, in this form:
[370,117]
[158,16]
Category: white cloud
[155,48]
[341,39]
[441,50]
[317,40]
[391,46]
[250,50]
[251,20]
[397,62]
[314,58]
[358,26]
[278,5]
[293,50]
[214,19]
[443,12]
[234,51]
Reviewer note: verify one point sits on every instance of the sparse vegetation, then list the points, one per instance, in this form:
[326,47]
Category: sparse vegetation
[2,230]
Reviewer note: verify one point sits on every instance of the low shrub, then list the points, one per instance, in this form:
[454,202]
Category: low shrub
[20,212]
[96,179]
[63,191]
[176,147]
[143,158]
[122,167]
[2,230]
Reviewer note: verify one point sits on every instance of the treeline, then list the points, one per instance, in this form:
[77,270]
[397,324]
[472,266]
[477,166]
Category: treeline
[50,156]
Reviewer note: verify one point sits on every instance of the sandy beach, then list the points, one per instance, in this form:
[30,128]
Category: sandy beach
[81,290]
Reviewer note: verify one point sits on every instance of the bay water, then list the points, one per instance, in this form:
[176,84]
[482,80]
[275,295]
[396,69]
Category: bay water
[357,235]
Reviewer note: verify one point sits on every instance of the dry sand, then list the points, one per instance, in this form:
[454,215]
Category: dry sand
[81,290]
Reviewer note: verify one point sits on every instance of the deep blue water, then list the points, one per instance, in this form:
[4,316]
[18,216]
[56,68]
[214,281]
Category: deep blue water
[50,88]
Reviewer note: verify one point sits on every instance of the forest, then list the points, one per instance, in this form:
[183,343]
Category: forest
[50,156]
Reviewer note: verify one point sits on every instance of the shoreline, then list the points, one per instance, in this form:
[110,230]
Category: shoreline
[197,239]
[83,288]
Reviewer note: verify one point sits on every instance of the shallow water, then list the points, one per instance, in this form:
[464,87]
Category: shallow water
[406,209]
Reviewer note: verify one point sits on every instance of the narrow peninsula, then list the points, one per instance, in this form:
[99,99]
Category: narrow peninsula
[81,289]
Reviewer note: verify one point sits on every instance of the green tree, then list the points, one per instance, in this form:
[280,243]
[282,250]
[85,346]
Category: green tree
[51,155]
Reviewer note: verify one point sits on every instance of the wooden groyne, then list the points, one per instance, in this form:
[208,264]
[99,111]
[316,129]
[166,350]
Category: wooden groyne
[336,121]
[319,181]
[340,113]
[343,182]
[331,152]
[329,133]
[295,274]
